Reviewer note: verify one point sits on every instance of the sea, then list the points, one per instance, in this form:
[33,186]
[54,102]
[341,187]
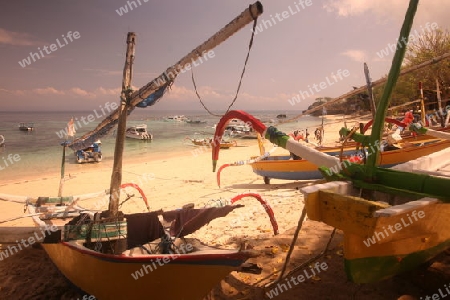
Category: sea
[28,155]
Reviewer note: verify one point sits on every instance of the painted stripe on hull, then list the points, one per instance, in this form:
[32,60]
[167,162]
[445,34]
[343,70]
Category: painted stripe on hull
[372,269]
[307,175]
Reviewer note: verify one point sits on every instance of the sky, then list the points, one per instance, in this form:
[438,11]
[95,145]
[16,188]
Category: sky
[302,50]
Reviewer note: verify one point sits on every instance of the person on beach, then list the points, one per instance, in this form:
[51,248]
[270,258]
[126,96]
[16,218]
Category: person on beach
[297,137]
[318,135]
[408,119]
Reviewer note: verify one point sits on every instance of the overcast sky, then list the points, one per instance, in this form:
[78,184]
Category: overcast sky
[293,52]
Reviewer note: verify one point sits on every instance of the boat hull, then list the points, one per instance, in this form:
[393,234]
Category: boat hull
[380,241]
[110,277]
[282,168]
[223,145]
[138,137]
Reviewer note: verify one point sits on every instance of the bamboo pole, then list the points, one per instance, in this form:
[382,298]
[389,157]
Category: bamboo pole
[422,105]
[394,73]
[441,113]
[370,90]
[116,176]
[247,16]
[374,84]
[63,163]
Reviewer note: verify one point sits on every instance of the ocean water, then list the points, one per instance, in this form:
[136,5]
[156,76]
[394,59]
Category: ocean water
[30,154]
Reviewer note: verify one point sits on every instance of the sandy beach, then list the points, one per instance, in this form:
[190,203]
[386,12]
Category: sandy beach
[170,183]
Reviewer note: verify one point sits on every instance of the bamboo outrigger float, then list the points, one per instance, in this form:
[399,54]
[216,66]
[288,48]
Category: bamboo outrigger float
[393,221]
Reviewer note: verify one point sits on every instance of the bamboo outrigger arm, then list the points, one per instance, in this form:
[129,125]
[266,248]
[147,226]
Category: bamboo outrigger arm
[160,83]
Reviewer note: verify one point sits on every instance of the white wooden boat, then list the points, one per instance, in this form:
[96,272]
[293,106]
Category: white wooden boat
[139,132]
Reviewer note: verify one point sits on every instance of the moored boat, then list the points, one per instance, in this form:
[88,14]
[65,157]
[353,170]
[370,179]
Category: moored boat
[209,142]
[196,121]
[92,153]
[139,132]
[240,131]
[26,126]
[139,252]
[2,140]
[177,118]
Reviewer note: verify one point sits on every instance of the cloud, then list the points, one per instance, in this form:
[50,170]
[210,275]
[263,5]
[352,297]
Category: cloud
[428,11]
[82,93]
[47,91]
[356,55]
[17,38]
[72,92]
[109,92]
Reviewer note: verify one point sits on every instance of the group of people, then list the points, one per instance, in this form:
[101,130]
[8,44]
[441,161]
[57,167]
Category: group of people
[300,135]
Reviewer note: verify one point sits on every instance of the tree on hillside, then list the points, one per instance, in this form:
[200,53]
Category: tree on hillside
[420,49]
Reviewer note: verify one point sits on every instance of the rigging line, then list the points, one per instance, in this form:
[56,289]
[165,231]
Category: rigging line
[240,80]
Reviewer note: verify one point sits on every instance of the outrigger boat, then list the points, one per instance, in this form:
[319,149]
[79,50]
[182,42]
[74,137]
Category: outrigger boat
[281,167]
[208,143]
[393,221]
[99,253]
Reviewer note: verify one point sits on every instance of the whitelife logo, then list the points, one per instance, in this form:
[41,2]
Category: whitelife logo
[398,226]
[48,50]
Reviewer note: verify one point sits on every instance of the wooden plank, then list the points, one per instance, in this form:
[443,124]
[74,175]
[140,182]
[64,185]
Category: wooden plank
[348,213]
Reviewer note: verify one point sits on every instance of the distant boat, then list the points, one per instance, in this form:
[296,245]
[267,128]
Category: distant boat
[2,140]
[208,143]
[189,121]
[26,126]
[240,131]
[180,118]
[92,153]
[139,132]
[281,116]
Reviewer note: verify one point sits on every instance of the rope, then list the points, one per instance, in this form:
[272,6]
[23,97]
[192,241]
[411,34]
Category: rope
[240,80]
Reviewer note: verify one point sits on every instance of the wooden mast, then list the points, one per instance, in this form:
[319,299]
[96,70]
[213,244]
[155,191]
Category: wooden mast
[116,177]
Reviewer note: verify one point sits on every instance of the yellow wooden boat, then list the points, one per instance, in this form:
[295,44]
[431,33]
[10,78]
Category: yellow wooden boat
[280,167]
[208,143]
